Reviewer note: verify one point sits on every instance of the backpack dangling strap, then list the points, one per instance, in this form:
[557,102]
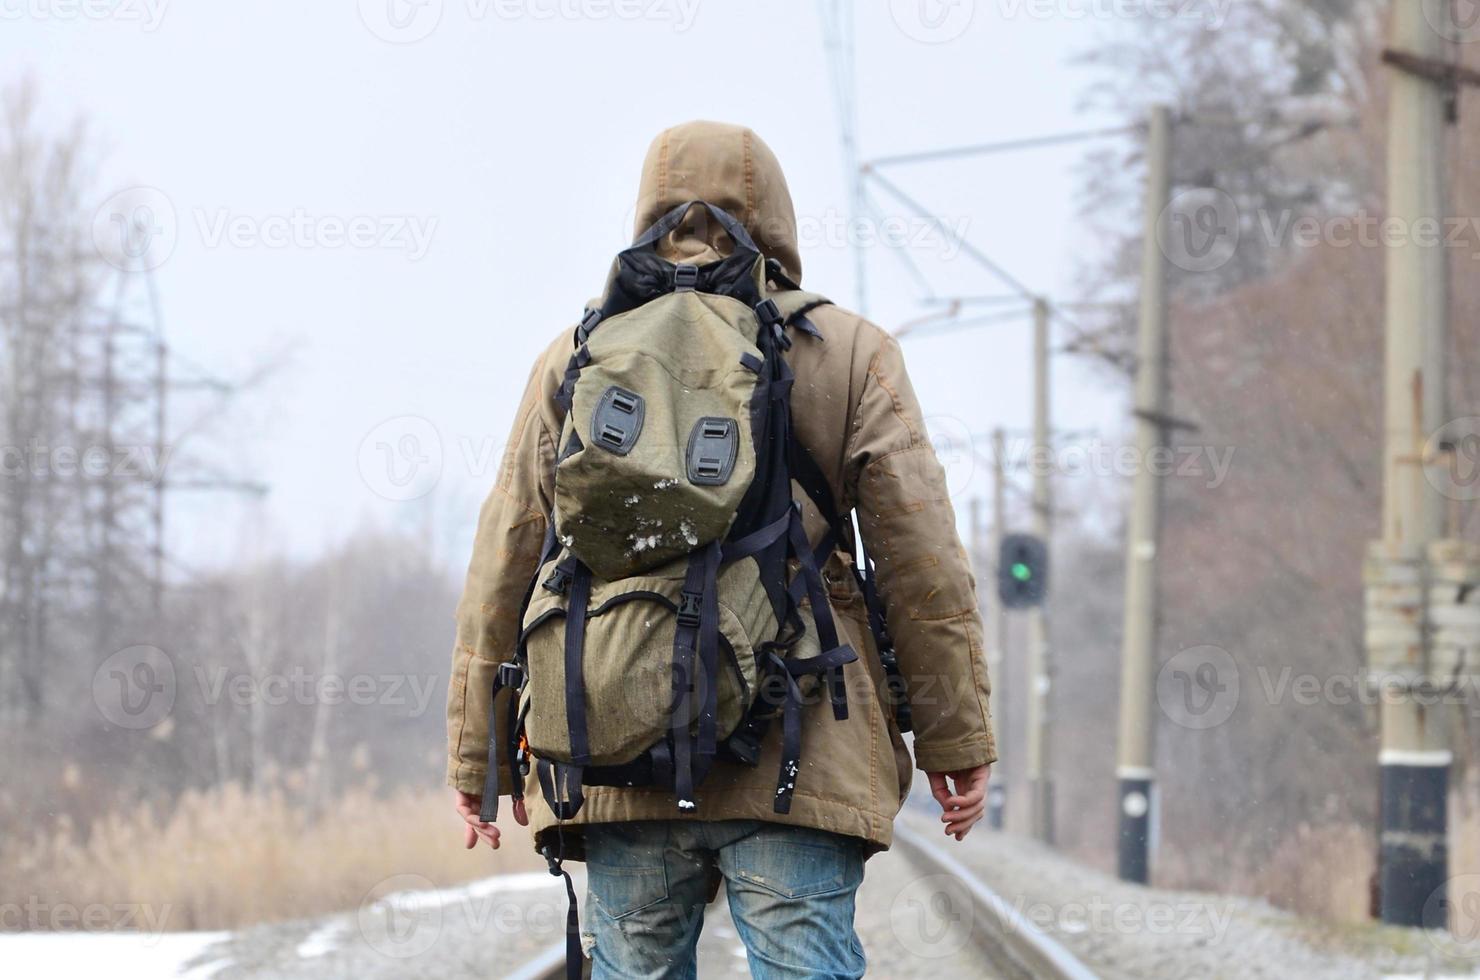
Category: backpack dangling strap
[555,858]
[560,783]
[829,662]
[510,677]
[827,630]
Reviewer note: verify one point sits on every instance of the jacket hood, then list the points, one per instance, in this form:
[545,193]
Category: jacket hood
[731,168]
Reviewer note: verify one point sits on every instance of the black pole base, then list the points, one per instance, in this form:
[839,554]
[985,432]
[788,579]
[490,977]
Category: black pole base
[1133,860]
[1415,849]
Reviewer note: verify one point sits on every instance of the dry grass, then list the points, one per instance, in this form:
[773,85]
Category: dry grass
[226,858]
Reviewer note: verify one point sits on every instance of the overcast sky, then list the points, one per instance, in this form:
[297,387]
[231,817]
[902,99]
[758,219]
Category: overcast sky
[417,197]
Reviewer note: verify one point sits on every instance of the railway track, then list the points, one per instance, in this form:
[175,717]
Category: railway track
[921,913]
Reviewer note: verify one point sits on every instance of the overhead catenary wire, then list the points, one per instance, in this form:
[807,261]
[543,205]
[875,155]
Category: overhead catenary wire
[1003,146]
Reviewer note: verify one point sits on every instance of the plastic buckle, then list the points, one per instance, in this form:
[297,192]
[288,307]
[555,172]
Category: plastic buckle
[510,674]
[588,323]
[685,277]
[769,312]
[689,605]
[558,581]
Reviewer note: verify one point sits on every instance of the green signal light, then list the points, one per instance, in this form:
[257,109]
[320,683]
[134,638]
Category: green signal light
[1021,571]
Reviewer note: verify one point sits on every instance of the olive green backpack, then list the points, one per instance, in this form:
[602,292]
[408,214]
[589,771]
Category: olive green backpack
[664,629]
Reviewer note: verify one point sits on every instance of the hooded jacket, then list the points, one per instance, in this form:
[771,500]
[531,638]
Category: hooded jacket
[853,408]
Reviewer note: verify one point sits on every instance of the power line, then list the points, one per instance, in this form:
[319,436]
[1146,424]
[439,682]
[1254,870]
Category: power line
[1004,146]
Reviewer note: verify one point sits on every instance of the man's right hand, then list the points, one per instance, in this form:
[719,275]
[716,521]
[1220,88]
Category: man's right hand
[962,800]
[474,828]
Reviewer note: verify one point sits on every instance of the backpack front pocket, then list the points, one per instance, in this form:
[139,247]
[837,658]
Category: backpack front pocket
[626,663]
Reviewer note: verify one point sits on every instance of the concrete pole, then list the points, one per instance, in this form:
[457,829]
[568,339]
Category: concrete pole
[997,628]
[1138,636]
[1040,664]
[1415,756]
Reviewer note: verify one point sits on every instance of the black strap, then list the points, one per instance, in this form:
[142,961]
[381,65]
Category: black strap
[777,274]
[675,217]
[709,649]
[827,630]
[489,809]
[829,662]
[567,392]
[575,678]
[755,541]
[510,677]
[555,858]
[560,783]
[685,645]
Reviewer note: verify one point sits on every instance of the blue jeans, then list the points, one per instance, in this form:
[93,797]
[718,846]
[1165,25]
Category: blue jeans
[791,892]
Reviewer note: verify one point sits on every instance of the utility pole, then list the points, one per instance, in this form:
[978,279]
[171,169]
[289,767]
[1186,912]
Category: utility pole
[1133,767]
[997,627]
[1040,666]
[1415,756]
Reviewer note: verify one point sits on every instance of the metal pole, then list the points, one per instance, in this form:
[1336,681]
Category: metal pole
[1133,767]
[1040,667]
[1415,756]
[997,626]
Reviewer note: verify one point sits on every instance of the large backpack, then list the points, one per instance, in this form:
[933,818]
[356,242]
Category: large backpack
[678,607]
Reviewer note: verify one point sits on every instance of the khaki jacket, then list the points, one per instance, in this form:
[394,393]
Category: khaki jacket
[854,409]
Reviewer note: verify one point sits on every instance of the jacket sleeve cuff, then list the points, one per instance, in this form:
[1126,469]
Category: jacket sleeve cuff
[465,779]
[977,751]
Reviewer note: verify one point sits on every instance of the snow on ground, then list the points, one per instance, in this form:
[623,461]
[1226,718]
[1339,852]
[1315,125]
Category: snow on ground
[337,945]
[115,955]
